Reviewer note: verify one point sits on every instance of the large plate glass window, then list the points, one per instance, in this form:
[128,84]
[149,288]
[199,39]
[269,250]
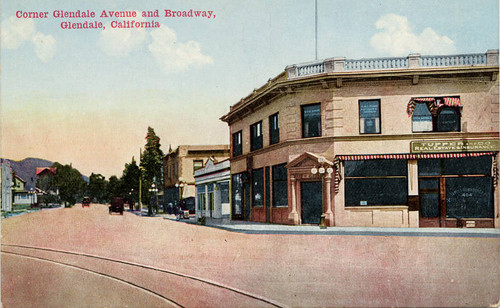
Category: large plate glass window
[237,194]
[258,187]
[369,116]
[376,182]
[280,188]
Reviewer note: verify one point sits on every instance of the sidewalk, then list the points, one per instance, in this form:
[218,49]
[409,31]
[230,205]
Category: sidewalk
[248,227]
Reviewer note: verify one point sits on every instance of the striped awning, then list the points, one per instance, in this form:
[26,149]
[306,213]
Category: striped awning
[433,103]
[340,158]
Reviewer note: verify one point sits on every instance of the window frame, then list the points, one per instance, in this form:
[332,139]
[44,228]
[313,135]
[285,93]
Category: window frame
[274,133]
[379,116]
[237,147]
[255,186]
[256,139]
[302,111]
[198,161]
[373,175]
[457,110]
[275,182]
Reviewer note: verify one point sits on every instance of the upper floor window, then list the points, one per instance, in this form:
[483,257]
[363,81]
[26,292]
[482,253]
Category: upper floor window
[369,117]
[197,164]
[435,114]
[311,120]
[256,136]
[237,144]
[274,129]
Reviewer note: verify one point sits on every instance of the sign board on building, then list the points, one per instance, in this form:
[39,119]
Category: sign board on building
[442,146]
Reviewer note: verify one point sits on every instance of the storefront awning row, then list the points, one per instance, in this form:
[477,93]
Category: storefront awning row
[340,158]
[433,103]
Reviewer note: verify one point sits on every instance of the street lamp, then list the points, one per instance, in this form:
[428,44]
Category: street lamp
[180,186]
[131,199]
[154,190]
[321,170]
[32,197]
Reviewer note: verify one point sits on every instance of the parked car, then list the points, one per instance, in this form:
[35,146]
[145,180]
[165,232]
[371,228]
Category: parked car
[86,202]
[117,205]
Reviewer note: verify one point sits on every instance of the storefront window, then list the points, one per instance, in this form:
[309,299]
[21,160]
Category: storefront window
[376,182]
[459,187]
[237,194]
[280,189]
[224,192]
[200,189]
[469,197]
[258,187]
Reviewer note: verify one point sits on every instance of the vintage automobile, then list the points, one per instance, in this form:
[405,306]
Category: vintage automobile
[117,205]
[86,202]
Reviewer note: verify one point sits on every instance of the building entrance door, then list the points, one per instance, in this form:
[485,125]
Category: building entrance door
[432,202]
[311,202]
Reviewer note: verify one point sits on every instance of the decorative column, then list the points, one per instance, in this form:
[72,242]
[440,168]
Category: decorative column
[293,217]
[329,217]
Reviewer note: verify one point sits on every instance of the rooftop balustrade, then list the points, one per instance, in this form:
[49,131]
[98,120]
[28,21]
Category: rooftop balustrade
[333,65]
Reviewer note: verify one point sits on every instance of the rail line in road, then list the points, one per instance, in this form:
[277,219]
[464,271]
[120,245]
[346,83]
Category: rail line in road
[170,301]
[31,252]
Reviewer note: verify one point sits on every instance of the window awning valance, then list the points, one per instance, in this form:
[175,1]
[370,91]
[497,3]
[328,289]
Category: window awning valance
[340,158]
[433,103]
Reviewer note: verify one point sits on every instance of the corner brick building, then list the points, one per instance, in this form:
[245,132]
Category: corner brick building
[392,142]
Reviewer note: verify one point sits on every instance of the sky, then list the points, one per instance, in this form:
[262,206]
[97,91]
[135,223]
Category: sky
[87,96]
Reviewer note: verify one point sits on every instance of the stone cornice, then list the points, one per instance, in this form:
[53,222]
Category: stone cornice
[280,86]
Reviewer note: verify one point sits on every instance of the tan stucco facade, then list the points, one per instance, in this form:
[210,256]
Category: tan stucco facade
[339,94]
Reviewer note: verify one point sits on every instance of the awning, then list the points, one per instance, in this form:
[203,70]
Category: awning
[340,158]
[432,103]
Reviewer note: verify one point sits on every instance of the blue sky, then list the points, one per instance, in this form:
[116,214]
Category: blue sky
[86,97]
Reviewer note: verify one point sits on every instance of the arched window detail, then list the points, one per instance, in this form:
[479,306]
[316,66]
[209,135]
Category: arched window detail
[448,120]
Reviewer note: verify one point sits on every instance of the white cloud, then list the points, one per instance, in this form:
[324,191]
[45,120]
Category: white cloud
[16,31]
[45,46]
[397,38]
[120,42]
[173,55]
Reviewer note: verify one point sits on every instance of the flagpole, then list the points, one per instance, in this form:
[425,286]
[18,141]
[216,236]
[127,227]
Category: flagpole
[316,29]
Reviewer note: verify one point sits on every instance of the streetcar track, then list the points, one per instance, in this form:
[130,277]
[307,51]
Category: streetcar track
[138,265]
[97,273]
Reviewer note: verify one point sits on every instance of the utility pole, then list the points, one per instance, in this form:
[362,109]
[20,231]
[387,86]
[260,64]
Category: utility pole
[140,180]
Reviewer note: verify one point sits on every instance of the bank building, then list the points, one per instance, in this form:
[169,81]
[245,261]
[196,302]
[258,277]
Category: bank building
[388,142]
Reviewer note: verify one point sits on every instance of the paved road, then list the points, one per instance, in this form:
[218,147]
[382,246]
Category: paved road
[164,263]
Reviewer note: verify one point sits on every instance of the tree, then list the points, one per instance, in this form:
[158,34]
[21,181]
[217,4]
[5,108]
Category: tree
[151,166]
[114,188]
[130,180]
[70,183]
[97,188]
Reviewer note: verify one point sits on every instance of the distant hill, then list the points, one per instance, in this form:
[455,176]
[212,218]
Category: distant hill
[26,169]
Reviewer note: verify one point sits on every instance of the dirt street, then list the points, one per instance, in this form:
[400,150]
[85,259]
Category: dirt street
[289,270]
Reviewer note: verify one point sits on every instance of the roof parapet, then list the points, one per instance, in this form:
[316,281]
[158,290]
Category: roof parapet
[332,65]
